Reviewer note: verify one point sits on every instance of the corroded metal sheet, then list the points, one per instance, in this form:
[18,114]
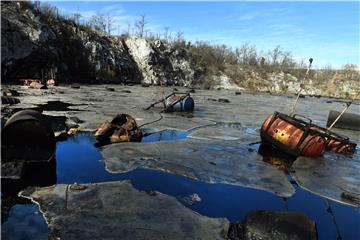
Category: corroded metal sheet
[334,176]
[115,210]
[211,161]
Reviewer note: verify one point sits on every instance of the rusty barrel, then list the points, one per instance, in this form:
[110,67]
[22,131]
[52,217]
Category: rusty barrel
[178,104]
[293,135]
[27,137]
[349,121]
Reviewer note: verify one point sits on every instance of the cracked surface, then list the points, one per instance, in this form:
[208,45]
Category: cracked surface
[113,209]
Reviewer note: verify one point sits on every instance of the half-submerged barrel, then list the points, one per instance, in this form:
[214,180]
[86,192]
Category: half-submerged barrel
[336,142]
[179,103]
[27,137]
[293,135]
[349,121]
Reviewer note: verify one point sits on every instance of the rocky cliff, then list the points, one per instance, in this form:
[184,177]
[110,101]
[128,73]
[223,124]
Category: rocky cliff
[38,46]
[42,46]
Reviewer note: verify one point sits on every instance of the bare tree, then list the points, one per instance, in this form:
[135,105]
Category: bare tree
[166,33]
[77,16]
[141,25]
[179,36]
[49,10]
[98,22]
[275,55]
[351,71]
[110,21]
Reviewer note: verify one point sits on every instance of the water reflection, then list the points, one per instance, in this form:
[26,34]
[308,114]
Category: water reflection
[78,160]
[276,157]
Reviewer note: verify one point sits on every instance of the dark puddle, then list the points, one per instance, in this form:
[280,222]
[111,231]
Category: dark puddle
[78,160]
[56,106]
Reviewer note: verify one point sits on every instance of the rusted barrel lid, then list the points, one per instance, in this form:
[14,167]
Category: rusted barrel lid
[26,136]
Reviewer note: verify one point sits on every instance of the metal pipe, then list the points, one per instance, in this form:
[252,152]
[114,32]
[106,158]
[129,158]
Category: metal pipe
[301,86]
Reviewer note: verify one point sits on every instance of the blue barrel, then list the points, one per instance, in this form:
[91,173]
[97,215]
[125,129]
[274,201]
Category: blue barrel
[175,104]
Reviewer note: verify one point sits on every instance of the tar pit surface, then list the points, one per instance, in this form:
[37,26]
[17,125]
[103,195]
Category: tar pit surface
[78,160]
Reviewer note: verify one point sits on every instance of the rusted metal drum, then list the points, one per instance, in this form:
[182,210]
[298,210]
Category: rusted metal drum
[336,142]
[293,135]
[27,137]
[123,128]
[179,104]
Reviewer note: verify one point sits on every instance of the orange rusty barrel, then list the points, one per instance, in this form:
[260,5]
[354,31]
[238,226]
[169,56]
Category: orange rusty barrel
[293,135]
[27,137]
[336,142]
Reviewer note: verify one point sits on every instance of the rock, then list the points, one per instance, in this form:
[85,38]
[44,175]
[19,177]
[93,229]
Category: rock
[352,197]
[126,91]
[75,85]
[220,82]
[212,99]
[175,90]
[191,90]
[76,120]
[191,200]
[37,85]
[237,93]
[50,83]
[11,92]
[224,100]
[110,89]
[113,209]
[9,100]
[145,85]
[274,225]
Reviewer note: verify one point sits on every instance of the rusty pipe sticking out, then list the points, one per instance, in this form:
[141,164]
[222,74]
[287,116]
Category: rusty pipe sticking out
[338,117]
[301,87]
[342,113]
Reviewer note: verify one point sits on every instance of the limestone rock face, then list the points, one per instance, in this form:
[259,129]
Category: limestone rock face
[160,62]
[38,46]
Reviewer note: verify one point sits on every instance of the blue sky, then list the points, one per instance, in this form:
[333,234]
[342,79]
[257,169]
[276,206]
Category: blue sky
[326,31]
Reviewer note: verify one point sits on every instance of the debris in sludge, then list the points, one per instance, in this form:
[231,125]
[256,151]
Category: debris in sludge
[37,85]
[274,225]
[75,85]
[298,136]
[122,128]
[27,136]
[224,100]
[352,197]
[176,103]
[27,82]
[9,100]
[293,135]
[10,92]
